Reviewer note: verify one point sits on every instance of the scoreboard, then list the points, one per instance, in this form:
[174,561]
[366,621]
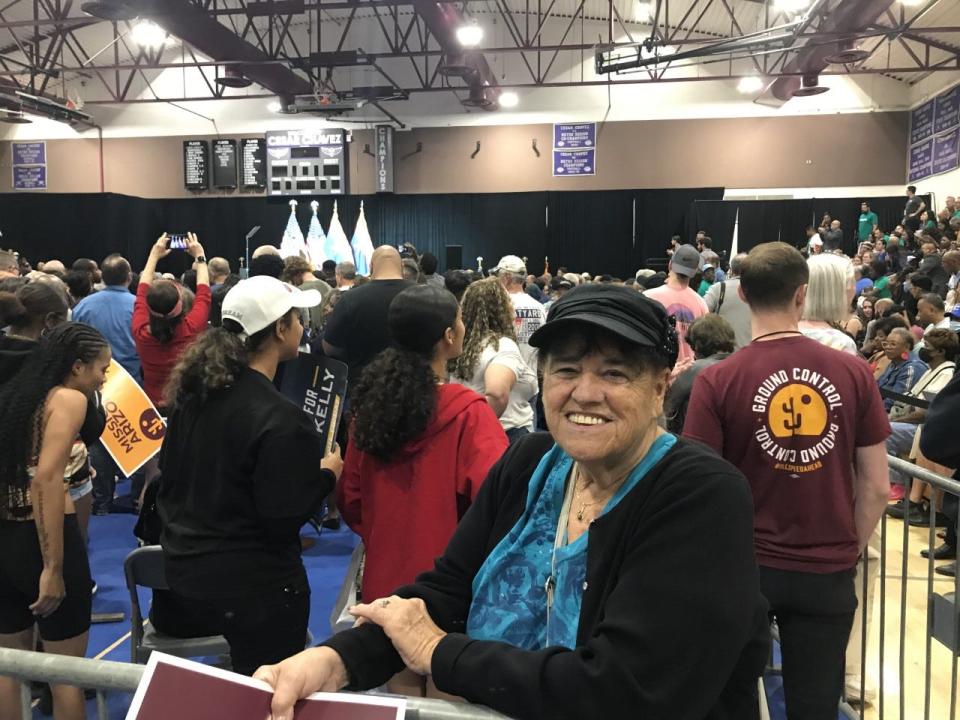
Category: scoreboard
[307,162]
[196,164]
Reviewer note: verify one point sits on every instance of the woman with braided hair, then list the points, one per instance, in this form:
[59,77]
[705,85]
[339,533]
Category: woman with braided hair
[491,362]
[44,572]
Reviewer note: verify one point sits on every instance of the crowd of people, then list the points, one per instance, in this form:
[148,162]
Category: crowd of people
[523,457]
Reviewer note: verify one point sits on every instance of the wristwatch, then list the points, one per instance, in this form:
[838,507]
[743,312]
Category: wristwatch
[200,259]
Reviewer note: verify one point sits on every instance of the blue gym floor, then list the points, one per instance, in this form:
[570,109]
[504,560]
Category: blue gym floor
[111,538]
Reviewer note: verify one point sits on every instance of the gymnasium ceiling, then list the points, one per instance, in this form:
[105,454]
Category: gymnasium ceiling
[400,61]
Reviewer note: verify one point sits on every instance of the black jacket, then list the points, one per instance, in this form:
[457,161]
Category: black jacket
[672,624]
[938,439]
[933,268]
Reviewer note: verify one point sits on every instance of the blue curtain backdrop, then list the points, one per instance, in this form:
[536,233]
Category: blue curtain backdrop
[598,232]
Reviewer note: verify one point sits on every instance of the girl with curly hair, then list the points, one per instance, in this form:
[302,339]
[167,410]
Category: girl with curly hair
[44,571]
[419,447]
[491,362]
[242,469]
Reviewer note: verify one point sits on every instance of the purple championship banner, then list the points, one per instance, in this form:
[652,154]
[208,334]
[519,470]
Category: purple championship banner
[29,153]
[574,136]
[947,112]
[921,160]
[571,163]
[946,151]
[921,122]
[29,177]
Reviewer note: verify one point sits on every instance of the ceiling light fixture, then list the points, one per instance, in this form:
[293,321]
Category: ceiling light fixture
[791,6]
[148,34]
[750,84]
[644,12]
[470,34]
[113,10]
[274,106]
[15,117]
[233,78]
[848,53]
[509,99]
[810,86]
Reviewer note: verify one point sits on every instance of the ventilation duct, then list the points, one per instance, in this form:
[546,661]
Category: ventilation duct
[848,18]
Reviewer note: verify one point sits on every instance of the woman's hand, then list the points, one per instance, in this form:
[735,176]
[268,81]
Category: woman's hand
[194,248]
[315,670]
[159,249]
[409,627]
[333,462]
[51,593]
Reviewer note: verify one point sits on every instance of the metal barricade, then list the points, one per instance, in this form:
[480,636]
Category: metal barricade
[104,675]
[909,648]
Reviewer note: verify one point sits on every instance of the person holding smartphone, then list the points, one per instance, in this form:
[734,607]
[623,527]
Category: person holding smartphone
[161,328]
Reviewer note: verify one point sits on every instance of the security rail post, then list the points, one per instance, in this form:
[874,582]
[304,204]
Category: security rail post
[941,621]
[103,675]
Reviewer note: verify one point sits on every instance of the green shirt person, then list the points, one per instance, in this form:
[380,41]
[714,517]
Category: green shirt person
[868,222]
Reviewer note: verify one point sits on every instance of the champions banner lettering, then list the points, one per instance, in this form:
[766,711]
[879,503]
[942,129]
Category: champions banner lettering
[135,430]
[318,386]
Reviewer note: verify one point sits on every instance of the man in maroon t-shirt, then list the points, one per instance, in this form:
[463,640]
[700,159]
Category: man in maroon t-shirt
[807,427]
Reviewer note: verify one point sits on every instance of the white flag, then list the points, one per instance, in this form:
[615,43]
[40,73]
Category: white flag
[316,240]
[293,243]
[338,247]
[736,232]
[362,245]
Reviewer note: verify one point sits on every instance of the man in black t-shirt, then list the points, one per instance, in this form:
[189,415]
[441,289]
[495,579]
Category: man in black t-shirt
[912,210]
[357,330]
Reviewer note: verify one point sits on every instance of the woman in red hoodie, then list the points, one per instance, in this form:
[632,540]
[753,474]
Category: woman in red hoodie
[419,447]
[163,328]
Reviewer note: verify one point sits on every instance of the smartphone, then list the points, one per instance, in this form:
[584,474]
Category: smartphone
[177,241]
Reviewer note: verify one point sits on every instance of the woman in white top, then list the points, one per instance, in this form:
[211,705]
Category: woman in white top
[829,294]
[939,352]
[491,362]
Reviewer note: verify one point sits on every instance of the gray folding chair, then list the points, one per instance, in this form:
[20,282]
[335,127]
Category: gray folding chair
[144,567]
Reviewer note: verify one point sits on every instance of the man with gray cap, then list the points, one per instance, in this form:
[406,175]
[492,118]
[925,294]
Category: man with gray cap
[529,314]
[682,303]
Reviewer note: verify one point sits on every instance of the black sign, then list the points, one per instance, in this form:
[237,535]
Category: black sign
[307,162]
[196,164]
[253,162]
[384,156]
[225,163]
[318,386]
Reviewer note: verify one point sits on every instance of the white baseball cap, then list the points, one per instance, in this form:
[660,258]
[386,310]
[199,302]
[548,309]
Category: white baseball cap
[258,301]
[512,264]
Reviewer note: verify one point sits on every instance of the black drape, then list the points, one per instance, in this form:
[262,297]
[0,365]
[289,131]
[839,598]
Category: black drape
[786,220]
[599,232]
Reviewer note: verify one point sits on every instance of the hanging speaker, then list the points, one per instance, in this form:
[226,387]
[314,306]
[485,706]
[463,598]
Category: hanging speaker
[454,257]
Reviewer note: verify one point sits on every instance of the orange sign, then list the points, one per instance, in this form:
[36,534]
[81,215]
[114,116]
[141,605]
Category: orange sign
[135,430]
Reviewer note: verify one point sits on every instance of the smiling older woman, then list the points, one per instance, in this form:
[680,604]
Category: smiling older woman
[606,571]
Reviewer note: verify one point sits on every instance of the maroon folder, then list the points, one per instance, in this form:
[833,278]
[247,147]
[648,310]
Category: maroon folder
[184,690]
